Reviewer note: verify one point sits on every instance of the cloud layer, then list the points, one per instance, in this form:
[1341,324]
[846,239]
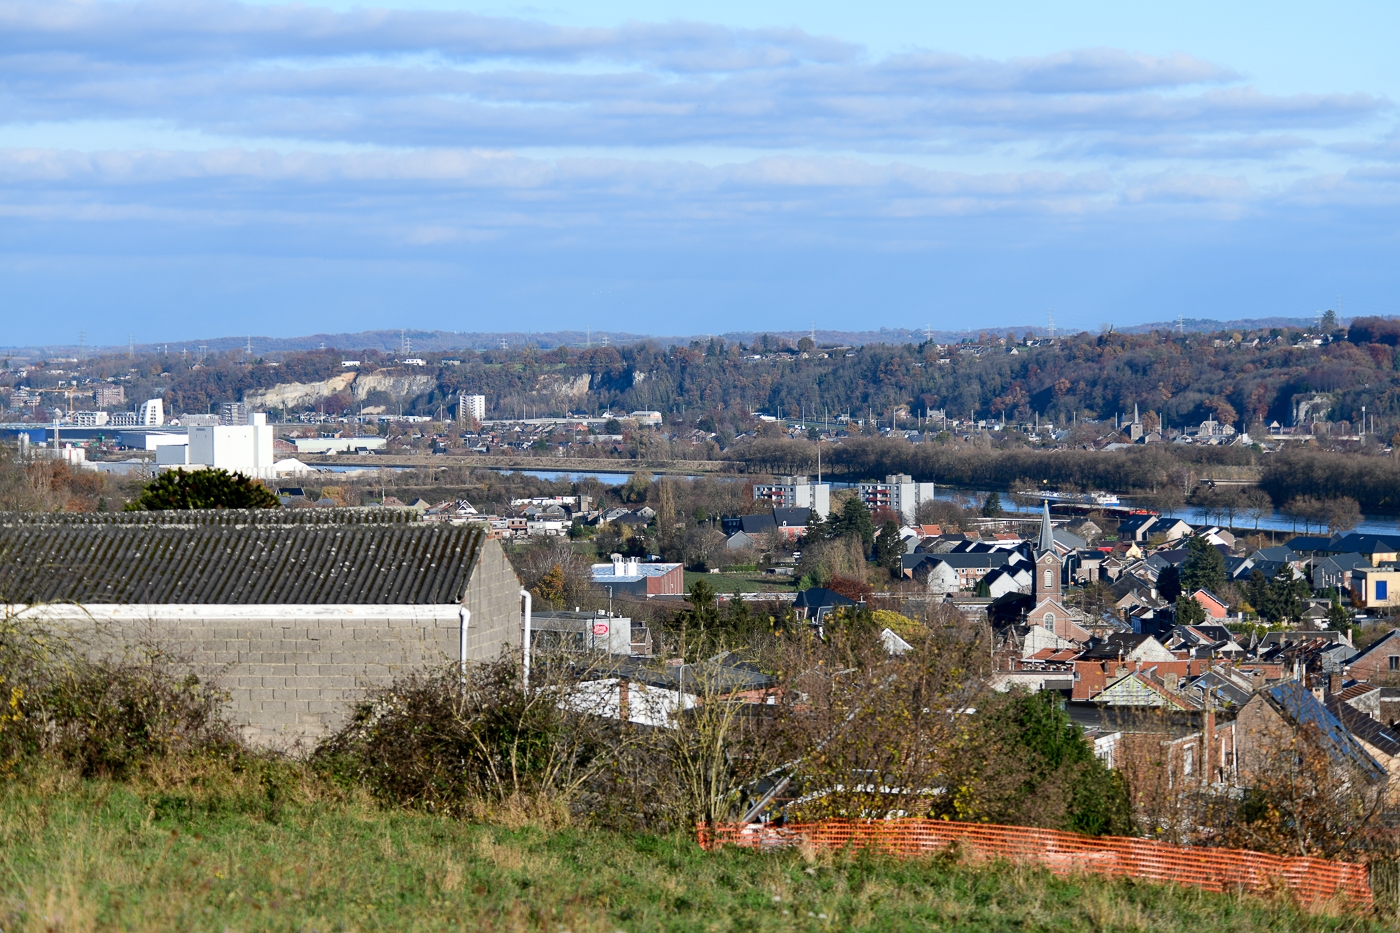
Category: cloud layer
[342,135]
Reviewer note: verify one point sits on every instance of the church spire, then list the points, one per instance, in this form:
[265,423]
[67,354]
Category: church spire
[1047,531]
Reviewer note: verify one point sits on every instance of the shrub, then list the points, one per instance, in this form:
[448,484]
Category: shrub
[107,717]
[442,740]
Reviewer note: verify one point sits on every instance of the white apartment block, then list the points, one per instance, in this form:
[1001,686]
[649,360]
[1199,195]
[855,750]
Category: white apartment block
[90,419]
[151,414]
[796,492]
[898,493]
[473,405]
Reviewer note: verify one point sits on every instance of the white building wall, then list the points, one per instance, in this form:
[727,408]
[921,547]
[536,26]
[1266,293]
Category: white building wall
[151,414]
[474,405]
[245,449]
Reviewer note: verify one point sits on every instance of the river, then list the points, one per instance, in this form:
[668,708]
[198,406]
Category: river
[1276,521]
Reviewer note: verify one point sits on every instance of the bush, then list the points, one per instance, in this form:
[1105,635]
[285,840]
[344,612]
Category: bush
[203,489]
[444,741]
[107,717]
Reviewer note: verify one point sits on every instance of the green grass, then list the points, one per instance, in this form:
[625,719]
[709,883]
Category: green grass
[758,582]
[208,850]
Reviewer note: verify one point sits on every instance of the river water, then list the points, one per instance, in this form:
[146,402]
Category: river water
[1276,522]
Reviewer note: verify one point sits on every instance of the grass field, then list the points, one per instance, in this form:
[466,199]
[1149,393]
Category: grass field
[758,582]
[206,849]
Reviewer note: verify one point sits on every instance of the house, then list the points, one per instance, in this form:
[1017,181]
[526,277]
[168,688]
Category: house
[1137,527]
[1335,570]
[299,611]
[948,573]
[816,603]
[1376,587]
[1215,607]
[1274,718]
[741,541]
[1382,657]
[1380,741]
[792,522]
[1141,689]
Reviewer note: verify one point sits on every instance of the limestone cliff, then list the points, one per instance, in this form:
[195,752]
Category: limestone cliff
[397,384]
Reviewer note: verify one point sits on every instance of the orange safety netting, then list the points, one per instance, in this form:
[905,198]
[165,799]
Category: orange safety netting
[1308,879]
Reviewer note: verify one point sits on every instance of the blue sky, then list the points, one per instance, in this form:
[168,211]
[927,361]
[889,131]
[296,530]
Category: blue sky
[173,169]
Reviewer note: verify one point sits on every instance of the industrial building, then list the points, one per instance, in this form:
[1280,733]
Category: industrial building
[635,578]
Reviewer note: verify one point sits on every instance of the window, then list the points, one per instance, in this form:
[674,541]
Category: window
[1189,762]
[1381,590]
[1395,662]
[1050,580]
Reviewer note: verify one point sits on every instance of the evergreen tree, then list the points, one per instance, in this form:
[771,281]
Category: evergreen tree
[203,489]
[889,549]
[855,520]
[1289,592]
[992,507]
[818,529]
[1189,611]
[1055,753]
[1261,596]
[1338,617]
[1204,567]
[1169,584]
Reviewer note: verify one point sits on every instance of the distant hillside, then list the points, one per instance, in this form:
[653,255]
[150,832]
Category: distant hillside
[439,341]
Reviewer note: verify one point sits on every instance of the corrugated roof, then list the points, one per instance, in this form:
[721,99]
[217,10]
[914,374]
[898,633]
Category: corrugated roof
[209,562]
[226,517]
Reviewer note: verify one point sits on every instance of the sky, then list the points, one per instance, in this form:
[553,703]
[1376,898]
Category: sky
[177,169]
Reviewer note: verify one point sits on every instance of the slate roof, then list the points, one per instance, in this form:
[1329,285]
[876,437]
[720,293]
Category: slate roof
[1297,704]
[792,517]
[819,597]
[210,559]
[1368,730]
[1309,543]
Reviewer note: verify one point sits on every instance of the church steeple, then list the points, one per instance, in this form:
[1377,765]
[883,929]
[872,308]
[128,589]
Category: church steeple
[1047,532]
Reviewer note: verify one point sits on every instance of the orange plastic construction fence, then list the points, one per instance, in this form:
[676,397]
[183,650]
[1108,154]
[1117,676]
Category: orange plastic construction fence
[1308,879]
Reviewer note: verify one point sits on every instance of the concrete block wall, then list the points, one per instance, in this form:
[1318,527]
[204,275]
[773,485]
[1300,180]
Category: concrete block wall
[293,673]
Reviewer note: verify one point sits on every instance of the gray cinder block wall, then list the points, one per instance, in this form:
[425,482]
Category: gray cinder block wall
[293,672]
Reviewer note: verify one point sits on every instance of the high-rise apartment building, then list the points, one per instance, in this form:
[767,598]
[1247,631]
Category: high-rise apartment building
[898,493]
[473,405]
[791,492]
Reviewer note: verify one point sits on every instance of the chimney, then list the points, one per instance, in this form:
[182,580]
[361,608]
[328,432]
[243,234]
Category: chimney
[1169,681]
[617,564]
[1334,683]
[1256,678]
[632,567]
[1211,762]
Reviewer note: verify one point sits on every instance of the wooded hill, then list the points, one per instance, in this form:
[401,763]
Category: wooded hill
[1185,378]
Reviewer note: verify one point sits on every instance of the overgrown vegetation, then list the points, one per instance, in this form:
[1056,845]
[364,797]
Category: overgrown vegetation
[192,847]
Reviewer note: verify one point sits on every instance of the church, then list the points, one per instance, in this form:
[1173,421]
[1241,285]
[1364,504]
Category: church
[1049,611]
